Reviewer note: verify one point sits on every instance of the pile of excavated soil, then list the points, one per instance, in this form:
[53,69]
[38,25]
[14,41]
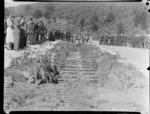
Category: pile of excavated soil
[114,75]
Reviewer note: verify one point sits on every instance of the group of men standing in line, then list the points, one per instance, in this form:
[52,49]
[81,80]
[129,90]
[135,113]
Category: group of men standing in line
[19,32]
[138,41]
[56,34]
[80,38]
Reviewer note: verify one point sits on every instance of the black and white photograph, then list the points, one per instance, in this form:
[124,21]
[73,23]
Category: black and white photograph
[76,56]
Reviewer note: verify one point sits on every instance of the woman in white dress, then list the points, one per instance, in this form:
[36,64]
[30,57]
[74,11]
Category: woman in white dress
[9,31]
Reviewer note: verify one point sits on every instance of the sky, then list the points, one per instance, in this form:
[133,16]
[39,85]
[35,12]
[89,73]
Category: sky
[9,3]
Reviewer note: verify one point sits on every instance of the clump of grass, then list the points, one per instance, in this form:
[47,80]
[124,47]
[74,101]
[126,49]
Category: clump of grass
[43,67]
[14,98]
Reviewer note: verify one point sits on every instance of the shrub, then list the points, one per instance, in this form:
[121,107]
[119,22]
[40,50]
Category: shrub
[42,67]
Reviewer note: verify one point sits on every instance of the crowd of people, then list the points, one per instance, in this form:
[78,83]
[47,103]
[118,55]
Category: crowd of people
[19,32]
[56,34]
[136,40]
[15,37]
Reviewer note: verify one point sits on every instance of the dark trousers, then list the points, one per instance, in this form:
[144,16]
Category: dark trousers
[30,37]
[41,38]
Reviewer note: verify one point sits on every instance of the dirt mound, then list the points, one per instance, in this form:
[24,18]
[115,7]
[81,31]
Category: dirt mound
[114,75]
[39,62]
[110,72]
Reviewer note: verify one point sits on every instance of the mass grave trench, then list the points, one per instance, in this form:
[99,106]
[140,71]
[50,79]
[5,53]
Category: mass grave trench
[107,73]
[85,62]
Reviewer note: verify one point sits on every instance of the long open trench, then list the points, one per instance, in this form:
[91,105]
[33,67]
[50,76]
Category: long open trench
[76,69]
[80,95]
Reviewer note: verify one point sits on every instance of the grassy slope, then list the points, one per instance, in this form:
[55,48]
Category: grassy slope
[137,57]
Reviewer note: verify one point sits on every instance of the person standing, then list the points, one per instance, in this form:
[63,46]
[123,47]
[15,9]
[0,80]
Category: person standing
[48,34]
[30,31]
[52,35]
[41,29]
[9,32]
[23,32]
[68,35]
[36,32]
[17,34]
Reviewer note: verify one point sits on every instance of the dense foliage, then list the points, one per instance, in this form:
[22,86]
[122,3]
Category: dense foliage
[100,14]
